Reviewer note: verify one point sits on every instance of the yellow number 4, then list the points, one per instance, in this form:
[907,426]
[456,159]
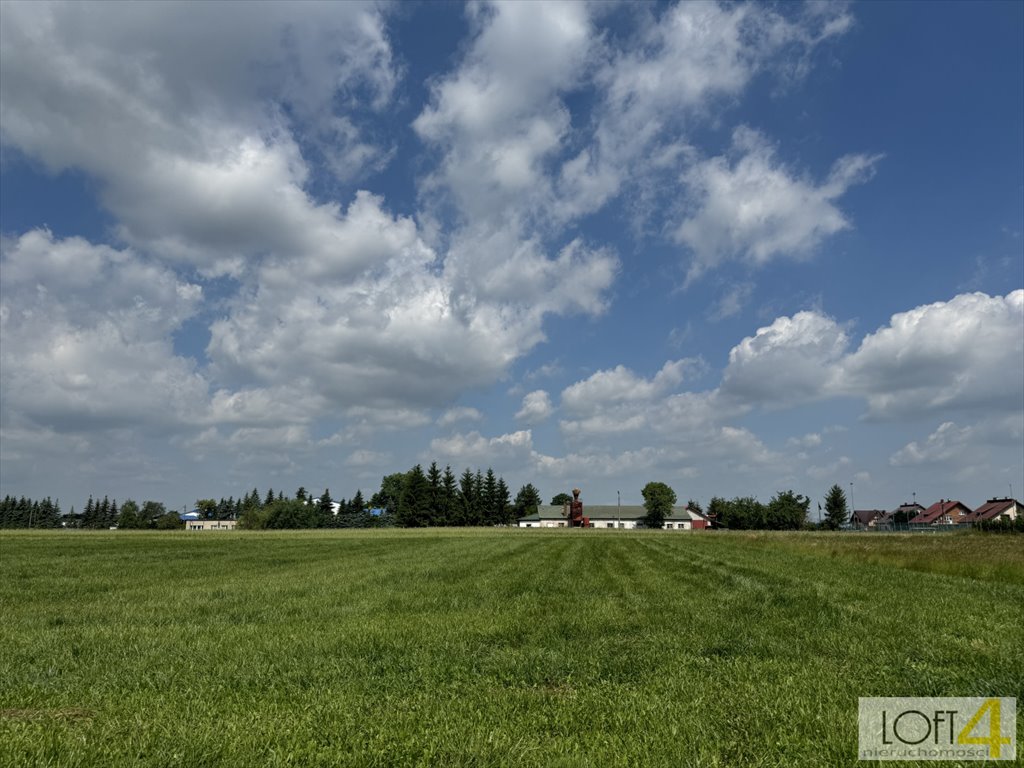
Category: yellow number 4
[995,739]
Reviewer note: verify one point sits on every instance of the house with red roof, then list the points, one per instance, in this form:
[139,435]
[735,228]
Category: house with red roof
[995,509]
[942,513]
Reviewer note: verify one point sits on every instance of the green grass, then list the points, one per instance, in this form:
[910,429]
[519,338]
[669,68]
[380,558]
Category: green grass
[488,648]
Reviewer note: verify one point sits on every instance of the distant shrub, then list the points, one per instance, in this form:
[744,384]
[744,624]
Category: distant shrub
[1001,525]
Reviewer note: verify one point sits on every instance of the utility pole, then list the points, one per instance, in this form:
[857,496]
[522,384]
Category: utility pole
[618,507]
[853,507]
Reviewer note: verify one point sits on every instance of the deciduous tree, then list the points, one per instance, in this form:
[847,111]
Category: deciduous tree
[658,501]
[130,516]
[787,511]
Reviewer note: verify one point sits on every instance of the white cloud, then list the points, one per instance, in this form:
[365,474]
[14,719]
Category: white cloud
[455,415]
[86,335]
[952,355]
[970,447]
[496,121]
[621,385]
[945,356]
[363,459]
[546,371]
[195,127]
[590,464]
[499,115]
[733,301]
[192,121]
[665,80]
[511,283]
[810,440]
[755,209]
[101,87]
[837,468]
[268,451]
[536,407]
[28,445]
[364,420]
[264,406]
[384,328]
[965,354]
[792,360]
[946,443]
[512,449]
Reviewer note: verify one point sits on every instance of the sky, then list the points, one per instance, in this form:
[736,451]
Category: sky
[735,248]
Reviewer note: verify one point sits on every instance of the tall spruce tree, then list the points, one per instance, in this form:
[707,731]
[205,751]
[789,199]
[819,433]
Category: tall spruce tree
[449,496]
[467,499]
[414,510]
[489,496]
[504,503]
[325,508]
[478,498]
[527,501]
[835,508]
[434,480]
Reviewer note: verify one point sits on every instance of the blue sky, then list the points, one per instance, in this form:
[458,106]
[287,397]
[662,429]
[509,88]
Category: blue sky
[735,248]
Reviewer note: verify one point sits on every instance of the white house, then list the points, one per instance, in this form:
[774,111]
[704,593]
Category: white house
[614,516]
[994,509]
[210,525]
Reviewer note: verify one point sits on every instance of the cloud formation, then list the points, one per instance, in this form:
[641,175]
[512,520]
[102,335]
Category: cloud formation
[536,408]
[194,131]
[87,338]
[754,209]
[941,357]
[954,355]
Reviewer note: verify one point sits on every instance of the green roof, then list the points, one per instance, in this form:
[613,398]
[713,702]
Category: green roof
[607,512]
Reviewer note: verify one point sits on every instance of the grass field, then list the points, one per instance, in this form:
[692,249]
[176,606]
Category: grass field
[481,648]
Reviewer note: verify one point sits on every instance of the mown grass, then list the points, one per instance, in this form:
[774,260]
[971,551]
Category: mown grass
[487,648]
[973,555]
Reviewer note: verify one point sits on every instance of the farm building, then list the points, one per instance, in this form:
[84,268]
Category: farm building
[994,509]
[210,525]
[614,516]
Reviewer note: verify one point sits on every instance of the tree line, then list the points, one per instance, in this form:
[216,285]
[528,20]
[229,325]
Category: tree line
[97,514]
[411,499]
[785,511]
[416,499]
